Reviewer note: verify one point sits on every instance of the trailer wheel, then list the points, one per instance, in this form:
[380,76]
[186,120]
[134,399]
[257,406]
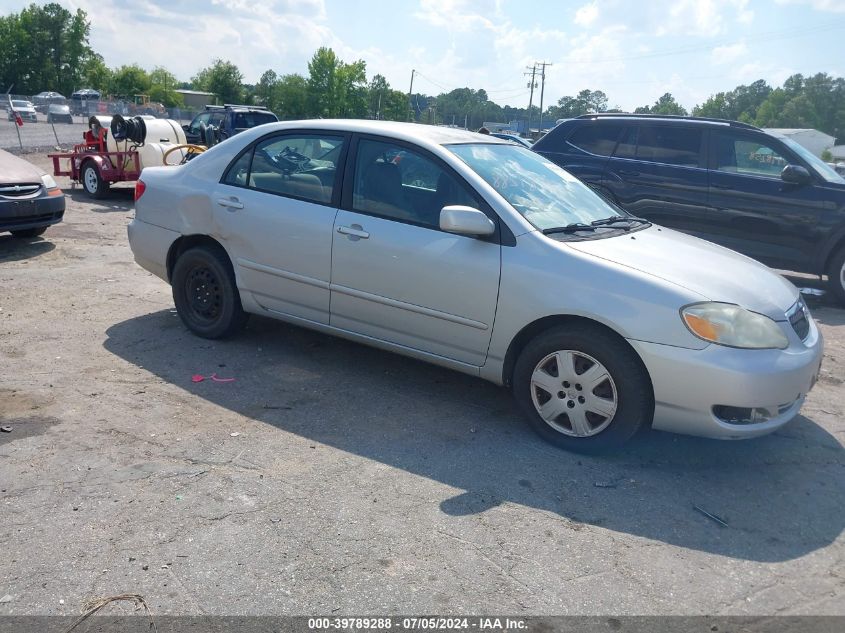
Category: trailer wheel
[92,182]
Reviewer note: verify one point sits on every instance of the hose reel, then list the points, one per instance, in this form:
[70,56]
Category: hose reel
[133,129]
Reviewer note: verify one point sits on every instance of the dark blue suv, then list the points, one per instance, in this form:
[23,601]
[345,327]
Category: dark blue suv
[731,183]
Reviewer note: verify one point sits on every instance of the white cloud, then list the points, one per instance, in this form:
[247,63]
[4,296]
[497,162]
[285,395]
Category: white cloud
[835,6]
[693,17]
[726,54]
[186,36]
[587,14]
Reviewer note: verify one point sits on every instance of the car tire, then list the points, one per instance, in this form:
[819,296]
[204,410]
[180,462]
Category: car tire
[205,293]
[836,275]
[92,182]
[29,232]
[583,417]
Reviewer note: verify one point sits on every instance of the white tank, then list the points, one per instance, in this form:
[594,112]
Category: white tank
[162,135]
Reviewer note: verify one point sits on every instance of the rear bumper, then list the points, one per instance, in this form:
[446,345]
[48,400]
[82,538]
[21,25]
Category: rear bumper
[693,389]
[44,210]
[150,245]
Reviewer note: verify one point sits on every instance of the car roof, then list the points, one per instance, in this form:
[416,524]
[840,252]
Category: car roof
[411,132]
[662,118]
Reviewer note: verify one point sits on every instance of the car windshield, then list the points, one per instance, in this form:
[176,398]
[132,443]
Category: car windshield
[822,168]
[546,195]
[19,104]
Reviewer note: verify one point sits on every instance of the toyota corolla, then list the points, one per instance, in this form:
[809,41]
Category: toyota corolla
[479,255]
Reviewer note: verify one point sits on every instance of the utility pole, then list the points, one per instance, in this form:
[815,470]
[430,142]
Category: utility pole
[410,90]
[531,85]
[542,90]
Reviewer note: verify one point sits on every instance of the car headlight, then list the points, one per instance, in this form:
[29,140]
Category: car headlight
[730,325]
[49,182]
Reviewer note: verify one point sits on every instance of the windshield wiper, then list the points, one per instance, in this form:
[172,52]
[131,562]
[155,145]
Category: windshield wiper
[569,228]
[618,218]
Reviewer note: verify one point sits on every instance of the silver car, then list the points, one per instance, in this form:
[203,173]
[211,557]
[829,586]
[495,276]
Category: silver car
[479,255]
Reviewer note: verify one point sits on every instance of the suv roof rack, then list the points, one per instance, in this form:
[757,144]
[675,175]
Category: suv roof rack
[235,105]
[626,115]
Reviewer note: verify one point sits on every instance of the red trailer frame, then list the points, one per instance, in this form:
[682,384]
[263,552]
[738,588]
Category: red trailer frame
[112,166]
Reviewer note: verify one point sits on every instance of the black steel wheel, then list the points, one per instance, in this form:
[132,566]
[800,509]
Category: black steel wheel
[205,293]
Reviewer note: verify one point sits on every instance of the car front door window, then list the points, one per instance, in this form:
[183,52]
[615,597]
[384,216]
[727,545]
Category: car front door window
[394,182]
[747,156]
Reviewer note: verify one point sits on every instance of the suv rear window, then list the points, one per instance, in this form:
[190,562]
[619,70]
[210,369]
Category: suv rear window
[253,119]
[670,145]
[596,138]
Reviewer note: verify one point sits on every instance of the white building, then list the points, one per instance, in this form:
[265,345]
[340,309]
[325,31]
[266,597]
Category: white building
[838,152]
[813,140]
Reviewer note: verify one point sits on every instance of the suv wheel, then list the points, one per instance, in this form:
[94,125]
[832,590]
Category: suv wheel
[836,275]
[582,388]
[205,293]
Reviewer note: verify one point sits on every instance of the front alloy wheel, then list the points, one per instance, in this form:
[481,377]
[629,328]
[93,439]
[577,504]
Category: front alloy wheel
[574,393]
[583,388]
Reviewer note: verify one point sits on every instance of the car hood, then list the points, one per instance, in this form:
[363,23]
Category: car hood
[709,270]
[17,170]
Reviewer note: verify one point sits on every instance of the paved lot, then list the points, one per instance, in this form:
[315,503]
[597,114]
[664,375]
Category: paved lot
[334,478]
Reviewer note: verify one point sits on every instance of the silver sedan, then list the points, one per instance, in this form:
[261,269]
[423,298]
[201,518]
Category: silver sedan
[481,256]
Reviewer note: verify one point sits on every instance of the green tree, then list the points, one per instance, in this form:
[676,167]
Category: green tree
[666,104]
[716,107]
[584,102]
[376,93]
[44,48]
[336,89]
[292,94]
[95,74]
[128,81]
[266,89]
[163,85]
[222,78]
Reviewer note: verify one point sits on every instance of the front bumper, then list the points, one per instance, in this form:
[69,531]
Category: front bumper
[20,214]
[692,386]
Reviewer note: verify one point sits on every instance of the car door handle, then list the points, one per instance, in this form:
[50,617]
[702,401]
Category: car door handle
[230,203]
[350,230]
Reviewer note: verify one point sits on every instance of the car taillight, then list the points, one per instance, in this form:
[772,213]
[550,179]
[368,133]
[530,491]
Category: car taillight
[140,188]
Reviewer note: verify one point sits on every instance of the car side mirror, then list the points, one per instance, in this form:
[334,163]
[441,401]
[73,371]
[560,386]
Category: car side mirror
[795,175]
[465,221]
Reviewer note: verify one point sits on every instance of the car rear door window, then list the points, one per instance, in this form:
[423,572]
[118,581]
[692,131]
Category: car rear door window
[395,182]
[300,166]
[746,156]
[627,146]
[596,138]
[670,145]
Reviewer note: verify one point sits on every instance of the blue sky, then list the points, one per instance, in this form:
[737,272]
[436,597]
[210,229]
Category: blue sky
[632,50]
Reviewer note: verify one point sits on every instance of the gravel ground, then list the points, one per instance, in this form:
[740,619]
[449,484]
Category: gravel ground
[333,478]
[40,136]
